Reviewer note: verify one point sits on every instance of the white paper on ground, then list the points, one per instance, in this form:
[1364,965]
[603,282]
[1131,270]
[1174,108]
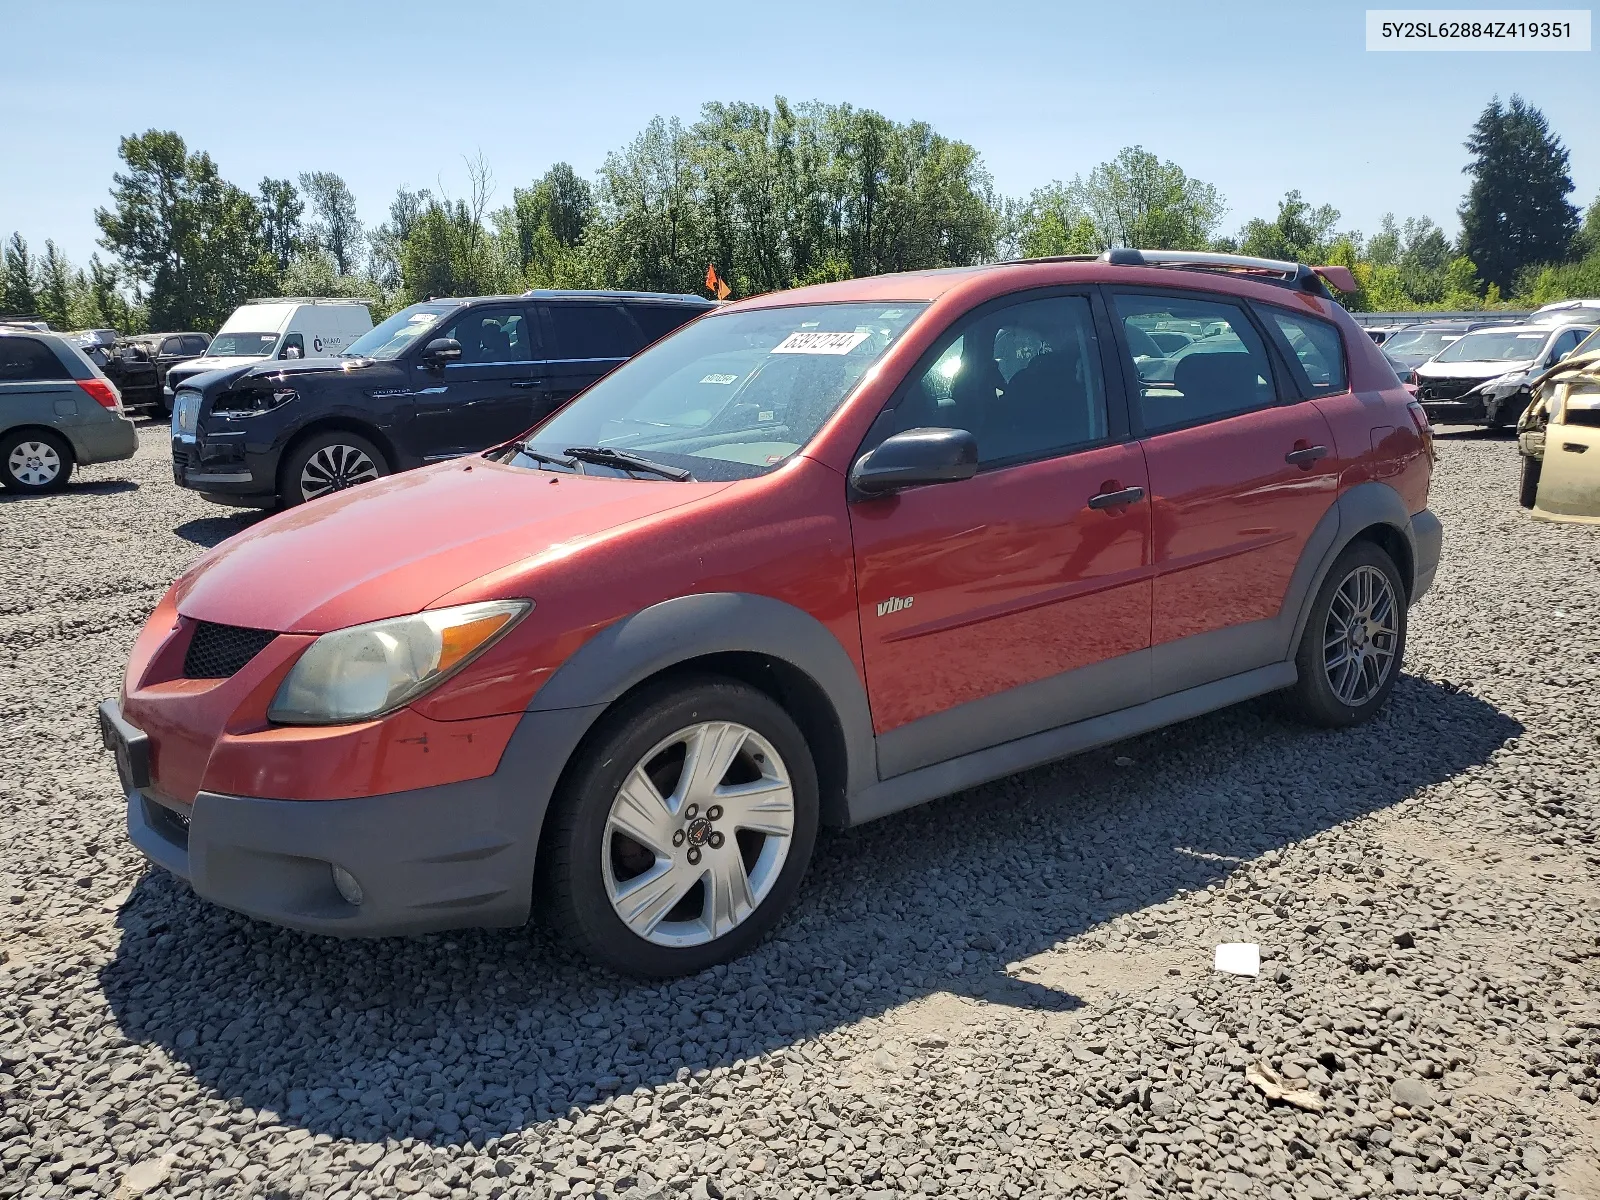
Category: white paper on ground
[1239,958]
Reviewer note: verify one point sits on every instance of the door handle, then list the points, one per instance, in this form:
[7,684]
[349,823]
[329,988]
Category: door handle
[1574,447]
[1128,495]
[1305,455]
[527,383]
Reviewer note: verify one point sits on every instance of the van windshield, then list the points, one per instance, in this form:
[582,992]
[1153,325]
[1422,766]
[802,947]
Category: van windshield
[390,339]
[242,345]
[729,396]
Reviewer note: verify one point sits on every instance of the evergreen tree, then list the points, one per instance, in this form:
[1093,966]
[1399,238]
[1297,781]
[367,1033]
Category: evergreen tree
[1516,210]
[55,287]
[19,298]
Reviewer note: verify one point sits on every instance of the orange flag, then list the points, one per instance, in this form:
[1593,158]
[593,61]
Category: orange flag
[714,283]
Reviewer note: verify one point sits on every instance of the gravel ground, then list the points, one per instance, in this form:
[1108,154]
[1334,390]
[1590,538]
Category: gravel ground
[1006,993]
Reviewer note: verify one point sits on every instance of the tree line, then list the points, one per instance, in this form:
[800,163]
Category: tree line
[775,197]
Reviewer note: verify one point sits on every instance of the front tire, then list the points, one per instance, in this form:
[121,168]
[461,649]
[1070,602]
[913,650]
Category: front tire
[1354,640]
[326,463]
[1528,491]
[34,462]
[682,831]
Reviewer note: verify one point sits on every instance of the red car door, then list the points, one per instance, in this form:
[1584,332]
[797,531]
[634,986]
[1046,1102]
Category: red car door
[1241,471]
[1004,604]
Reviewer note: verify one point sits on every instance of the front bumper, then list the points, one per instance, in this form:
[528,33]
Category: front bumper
[227,480]
[453,856]
[1466,411]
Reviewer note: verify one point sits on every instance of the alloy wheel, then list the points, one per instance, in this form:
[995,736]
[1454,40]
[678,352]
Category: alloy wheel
[1359,641]
[34,464]
[334,468]
[698,834]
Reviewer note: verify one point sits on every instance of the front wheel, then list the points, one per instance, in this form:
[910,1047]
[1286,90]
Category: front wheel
[1528,493]
[329,462]
[683,830]
[1354,640]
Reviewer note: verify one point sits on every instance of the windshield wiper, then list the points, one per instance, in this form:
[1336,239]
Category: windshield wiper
[527,451]
[606,456]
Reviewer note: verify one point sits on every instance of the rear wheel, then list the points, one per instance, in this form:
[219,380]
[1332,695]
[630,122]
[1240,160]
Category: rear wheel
[683,831]
[1528,494]
[34,461]
[329,462]
[1354,640]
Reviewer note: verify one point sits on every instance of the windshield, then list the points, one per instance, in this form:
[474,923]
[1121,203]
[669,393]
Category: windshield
[242,345]
[1494,345]
[730,396]
[1420,344]
[390,339]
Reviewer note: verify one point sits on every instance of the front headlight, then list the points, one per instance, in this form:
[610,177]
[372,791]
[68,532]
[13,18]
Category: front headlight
[367,670]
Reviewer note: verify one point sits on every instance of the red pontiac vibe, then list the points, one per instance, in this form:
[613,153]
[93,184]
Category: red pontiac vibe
[819,556]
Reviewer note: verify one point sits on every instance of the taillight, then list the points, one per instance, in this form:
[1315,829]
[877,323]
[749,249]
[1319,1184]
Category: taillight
[1419,418]
[103,392]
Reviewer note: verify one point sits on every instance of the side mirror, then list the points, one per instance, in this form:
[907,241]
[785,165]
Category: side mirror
[441,351]
[914,457]
[290,352]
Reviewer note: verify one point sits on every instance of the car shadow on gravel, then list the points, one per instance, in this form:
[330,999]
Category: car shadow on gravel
[100,487]
[208,531]
[477,1034]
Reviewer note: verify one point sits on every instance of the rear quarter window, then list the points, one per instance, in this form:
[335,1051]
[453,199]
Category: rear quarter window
[1317,348]
[658,320]
[24,360]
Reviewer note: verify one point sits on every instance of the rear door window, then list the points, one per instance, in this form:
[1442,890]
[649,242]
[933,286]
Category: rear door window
[1316,347]
[658,320]
[593,331]
[23,360]
[1223,371]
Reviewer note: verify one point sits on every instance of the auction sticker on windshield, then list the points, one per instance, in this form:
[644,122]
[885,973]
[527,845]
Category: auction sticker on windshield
[819,342]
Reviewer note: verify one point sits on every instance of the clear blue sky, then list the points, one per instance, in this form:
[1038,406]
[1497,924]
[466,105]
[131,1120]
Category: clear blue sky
[1256,98]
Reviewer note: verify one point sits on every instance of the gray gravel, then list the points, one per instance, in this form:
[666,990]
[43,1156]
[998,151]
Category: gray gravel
[1007,993]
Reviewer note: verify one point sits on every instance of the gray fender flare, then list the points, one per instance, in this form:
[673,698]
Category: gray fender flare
[654,639]
[1363,506]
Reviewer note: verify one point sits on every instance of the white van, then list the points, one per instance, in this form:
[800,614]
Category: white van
[281,327]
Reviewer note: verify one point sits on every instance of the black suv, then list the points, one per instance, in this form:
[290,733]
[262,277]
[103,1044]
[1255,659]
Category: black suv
[436,380]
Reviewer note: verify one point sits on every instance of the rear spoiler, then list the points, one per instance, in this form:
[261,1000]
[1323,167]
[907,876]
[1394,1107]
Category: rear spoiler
[1340,277]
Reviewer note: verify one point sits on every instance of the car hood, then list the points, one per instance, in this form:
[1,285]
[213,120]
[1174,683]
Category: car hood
[395,546]
[194,366]
[1473,370]
[300,367]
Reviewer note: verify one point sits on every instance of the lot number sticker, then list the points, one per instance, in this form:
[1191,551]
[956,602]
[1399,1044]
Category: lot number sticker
[817,342]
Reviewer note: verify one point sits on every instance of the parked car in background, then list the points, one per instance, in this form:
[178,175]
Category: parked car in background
[818,556]
[139,364]
[1559,439]
[1408,348]
[57,410]
[436,380]
[1484,377]
[283,328]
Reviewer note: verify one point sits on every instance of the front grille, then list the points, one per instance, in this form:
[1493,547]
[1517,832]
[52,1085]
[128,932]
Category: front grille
[218,651]
[1445,389]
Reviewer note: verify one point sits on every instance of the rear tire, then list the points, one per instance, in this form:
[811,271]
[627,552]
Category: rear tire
[328,462]
[654,869]
[34,461]
[1354,640]
[1528,494]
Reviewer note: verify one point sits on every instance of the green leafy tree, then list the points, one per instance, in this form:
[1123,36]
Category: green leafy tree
[546,224]
[1299,233]
[1383,248]
[1586,242]
[183,233]
[1425,255]
[20,298]
[1516,210]
[334,226]
[388,240]
[281,210]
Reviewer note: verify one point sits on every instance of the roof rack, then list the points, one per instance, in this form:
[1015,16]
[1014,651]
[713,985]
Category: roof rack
[312,300]
[1270,270]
